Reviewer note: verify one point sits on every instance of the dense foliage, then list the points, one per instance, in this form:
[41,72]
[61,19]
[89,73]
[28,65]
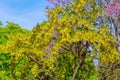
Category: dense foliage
[6,33]
[80,41]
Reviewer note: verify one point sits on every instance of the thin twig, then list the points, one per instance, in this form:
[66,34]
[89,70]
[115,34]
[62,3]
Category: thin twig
[33,58]
[81,61]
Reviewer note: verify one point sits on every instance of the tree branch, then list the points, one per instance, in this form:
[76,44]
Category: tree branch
[33,58]
[113,67]
[81,61]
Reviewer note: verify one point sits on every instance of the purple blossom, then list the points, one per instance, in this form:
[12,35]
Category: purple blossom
[55,34]
[100,2]
[47,51]
[52,44]
[57,3]
[113,9]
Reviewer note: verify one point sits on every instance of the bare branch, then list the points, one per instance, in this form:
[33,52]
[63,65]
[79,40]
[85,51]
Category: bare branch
[112,67]
[81,61]
[33,58]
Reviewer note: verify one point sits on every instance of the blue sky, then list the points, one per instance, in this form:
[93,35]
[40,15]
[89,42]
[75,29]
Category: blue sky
[26,13]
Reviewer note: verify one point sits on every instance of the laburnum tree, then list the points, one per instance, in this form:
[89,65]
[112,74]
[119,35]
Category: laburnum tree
[64,47]
[104,24]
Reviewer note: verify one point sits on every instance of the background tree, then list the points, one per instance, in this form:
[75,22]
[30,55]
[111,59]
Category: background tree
[111,19]
[11,29]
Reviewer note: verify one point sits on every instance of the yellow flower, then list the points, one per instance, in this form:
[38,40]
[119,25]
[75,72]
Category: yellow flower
[0,62]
